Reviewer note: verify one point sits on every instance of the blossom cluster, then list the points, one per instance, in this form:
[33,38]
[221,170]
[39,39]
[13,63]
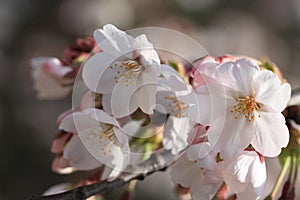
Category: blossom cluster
[221,116]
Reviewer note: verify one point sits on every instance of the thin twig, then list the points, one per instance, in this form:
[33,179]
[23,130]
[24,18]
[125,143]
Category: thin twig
[157,162]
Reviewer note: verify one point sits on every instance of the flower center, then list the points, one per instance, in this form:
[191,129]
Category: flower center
[178,108]
[128,69]
[108,132]
[247,106]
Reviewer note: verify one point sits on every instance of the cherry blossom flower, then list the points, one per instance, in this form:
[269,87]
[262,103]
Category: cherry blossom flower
[101,135]
[127,69]
[174,98]
[49,78]
[247,103]
[244,175]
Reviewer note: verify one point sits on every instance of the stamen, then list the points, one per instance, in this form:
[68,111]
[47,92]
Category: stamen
[108,132]
[246,106]
[179,108]
[128,69]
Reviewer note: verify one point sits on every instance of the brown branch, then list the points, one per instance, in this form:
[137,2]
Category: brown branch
[157,162]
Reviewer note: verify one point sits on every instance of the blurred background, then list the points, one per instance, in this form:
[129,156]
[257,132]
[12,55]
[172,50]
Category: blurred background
[30,28]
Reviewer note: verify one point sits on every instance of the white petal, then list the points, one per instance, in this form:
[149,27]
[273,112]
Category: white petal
[258,176]
[106,103]
[236,174]
[100,73]
[77,122]
[122,138]
[147,90]
[188,174]
[124,99]
[212,105]
[184,171]
[168,71]
[237,75]
[248,194]
[246,176]
[271,134]
[270,92]
[173,83]
[78,156]
[102,148]
[100,116]
[114,41]
[175,134]
[198,151]
[146,51]
[235,135]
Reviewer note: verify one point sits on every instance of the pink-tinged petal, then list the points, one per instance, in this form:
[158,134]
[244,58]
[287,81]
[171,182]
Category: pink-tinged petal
[124,99]
[78,156]
[55,69]
[88,100]
[60,141]
[175,134]
[198,133]
[99,73]
[270,92]
[206,66]
[47,86]
[100,116]
[61,165]
[114,41]
[271,134]
[145,50]
[51,66]
[147,88]
[64,115]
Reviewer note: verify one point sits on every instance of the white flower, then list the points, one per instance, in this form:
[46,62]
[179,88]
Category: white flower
[242,105]
[49,81]
[126,69]
[101,135]
[200,176]
[78,156]
[246,176]
[173,99]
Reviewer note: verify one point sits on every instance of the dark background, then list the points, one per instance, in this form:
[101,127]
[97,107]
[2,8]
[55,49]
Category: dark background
[30,28]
